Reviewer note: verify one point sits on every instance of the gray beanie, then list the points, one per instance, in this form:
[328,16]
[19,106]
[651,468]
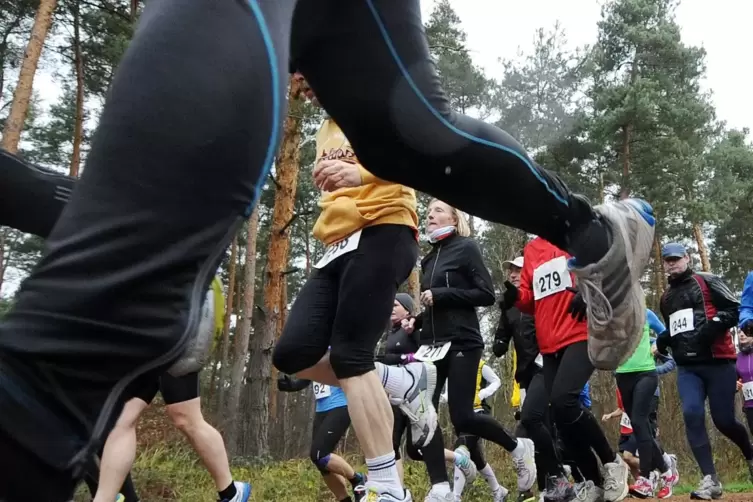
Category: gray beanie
[406,301]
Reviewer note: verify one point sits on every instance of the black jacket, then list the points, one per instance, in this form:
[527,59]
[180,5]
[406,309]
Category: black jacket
[521,328]
[398,344]
[459,281]
[714,312]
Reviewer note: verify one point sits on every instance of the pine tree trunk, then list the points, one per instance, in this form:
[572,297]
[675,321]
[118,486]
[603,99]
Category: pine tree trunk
[3,237]
[703,250]
[288,161]
[22,95]
[78,62]
[658,272]
[242,334]
[229,309]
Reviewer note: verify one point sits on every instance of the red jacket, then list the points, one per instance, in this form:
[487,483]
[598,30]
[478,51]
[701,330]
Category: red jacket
[543,295]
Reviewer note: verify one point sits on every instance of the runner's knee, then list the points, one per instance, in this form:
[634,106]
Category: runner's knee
[350,360]
[566,408]
[319,461]
[463,419]
[289,357]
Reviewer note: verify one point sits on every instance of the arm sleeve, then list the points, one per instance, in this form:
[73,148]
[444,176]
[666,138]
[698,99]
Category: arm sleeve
[654,323]
[482,292]
[504,329]
[494,382]
[666,366]
[746,302]
[525,294]
[727,306]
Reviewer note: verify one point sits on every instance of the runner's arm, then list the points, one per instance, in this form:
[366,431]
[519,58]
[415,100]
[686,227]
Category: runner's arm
[654,323]
[494,382]
[727,306]
[668,364]
[525,295]
[481,295]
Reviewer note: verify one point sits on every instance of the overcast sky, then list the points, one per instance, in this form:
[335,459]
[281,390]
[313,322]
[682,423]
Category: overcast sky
[499,28]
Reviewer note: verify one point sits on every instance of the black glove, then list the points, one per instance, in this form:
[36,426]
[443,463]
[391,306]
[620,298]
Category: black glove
[499,347]
[577,308]
[662,342]
[517,415]
[287,383]
[509,297]
[711,330]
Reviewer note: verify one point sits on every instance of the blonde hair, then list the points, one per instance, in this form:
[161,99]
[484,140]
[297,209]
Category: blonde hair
[463,228]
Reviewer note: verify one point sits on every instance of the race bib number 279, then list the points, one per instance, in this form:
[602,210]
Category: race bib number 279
[550,278]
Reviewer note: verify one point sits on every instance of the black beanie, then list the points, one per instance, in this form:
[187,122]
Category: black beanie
[406,301]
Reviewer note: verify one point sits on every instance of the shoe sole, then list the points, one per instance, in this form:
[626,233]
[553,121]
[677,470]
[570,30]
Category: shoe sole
[431,384]
[529,449]
[610,345]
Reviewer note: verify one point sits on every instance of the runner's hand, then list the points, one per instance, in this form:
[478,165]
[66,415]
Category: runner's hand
[577,306]
[739,385]
[408,325]
[499,348]
[606,417]
[329,175]
[427,299]
[662,342]
[510,296]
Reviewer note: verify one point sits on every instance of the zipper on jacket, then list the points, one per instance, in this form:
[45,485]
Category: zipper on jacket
[447,279]
[431,281]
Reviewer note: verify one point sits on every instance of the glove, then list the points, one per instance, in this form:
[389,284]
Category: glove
[510,296]
[516,415]
[712,330]
[577,308]
[499,347]
[287,383]
[662,342]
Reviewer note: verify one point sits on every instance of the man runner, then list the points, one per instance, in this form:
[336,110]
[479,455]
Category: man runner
[184,144]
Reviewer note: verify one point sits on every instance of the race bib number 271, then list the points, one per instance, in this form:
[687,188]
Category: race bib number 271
[339,248]
[432,353]
[550,278]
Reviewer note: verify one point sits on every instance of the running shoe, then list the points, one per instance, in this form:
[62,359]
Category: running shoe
[644,488]
[524,464]
[587,491]
[558,489]
[611,288]
[669,479]
[615,480]
[373,493]
[526,496]
[358,483]
[500,494]
[242,492]
[464,463]
[418,406]
[435,496]
[120,498]
[708,489]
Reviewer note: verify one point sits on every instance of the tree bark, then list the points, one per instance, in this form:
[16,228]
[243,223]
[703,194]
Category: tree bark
[658,272]
[229,309]
[287,167]
[22,95]
[3,235]
[703,250]
[414,285]
[242,334]
[78,63]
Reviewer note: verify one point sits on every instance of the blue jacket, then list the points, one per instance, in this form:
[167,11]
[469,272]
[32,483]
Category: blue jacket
[746,302]
[585,396]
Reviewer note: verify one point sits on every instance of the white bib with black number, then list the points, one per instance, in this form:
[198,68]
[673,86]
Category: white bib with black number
[748,391]
[681,322]
[321,391]
[432,353]
[625,421]
[550,278]
[339,248]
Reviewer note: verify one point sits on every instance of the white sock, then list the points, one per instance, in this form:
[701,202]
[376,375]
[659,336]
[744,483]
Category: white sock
[441,489]
[383,471]
[667,462]
[488,473]
[396,380]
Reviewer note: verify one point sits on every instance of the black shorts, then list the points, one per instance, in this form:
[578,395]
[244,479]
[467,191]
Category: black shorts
[329,428]
[346,305]
[174,390]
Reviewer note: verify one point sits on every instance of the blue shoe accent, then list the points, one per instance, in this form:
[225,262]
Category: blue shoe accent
[644,208]
[246,492]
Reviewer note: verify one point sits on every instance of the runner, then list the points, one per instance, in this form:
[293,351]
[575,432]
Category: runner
[487,383]
[454,282]
[331,422]
[744,363]
[534,407]
[370,229]
[561,332]
[699,310]
[637,382]
[183,406]
[148,165]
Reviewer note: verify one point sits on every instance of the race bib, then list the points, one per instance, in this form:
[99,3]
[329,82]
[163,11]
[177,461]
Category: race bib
[681,322]
[550,278]
[625,421]
[748,391]
[539,361]
[431,353]
[321,391]
[339,248]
